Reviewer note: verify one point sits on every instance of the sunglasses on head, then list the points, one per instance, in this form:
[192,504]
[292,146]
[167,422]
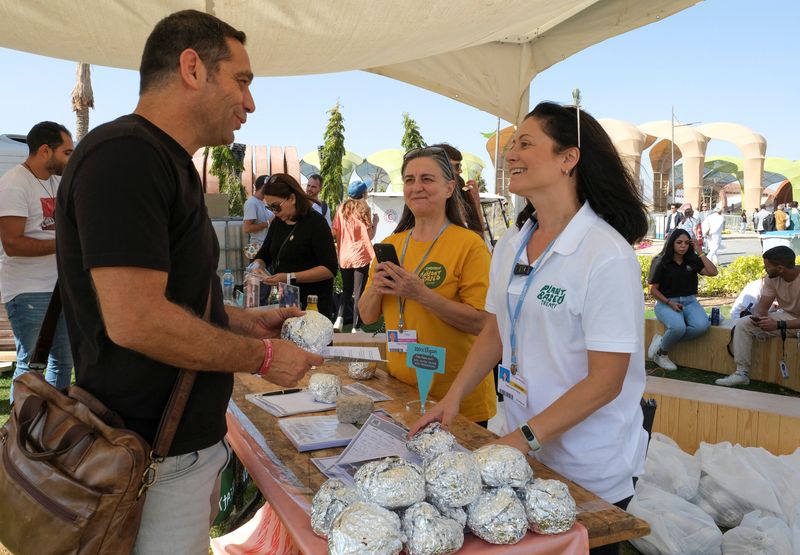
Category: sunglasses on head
[432,152]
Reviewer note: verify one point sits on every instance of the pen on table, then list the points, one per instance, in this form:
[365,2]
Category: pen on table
[281,392]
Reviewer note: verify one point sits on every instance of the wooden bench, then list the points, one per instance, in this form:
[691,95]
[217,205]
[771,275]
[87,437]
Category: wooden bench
[708,352]
[689,413]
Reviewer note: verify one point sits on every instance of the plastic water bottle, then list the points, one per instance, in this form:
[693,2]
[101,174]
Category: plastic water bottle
[227,287]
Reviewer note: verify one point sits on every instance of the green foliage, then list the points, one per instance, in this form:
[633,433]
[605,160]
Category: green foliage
[644,262]
[331,163]
[481,184]
[729,282]
[732,278]
[412,138]
[227,168]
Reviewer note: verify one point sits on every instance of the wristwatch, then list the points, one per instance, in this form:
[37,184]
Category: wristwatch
[529,437]
[291,276]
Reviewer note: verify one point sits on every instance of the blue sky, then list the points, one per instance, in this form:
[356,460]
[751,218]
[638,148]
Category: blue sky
[722,60]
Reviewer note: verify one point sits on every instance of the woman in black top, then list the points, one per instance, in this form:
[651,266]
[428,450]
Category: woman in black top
[673,283]
[299,246]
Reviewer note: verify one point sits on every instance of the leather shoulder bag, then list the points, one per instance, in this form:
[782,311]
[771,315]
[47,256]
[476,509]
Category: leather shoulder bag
[72,478]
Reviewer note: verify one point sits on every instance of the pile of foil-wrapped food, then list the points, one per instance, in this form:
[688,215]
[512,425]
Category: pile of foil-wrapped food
[425,509]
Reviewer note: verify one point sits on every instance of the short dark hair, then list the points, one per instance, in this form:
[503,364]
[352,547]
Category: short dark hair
[781,255]
[46,133]
[283,185]
[602,179]
[261,180]
[202,32]
[316,176]
[452,152]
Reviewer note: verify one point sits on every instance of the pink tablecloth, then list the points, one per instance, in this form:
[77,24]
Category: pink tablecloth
[294,516]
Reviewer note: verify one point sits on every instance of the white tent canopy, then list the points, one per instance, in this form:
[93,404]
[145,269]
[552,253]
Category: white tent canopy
[481,52]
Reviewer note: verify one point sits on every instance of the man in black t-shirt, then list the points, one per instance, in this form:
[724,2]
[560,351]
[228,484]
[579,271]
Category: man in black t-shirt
[137,259]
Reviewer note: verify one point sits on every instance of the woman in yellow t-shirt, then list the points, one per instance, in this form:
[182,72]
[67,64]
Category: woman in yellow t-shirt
[436,295]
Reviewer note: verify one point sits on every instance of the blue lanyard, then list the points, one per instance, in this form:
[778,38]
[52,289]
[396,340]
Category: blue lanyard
[514,314]
[401,301]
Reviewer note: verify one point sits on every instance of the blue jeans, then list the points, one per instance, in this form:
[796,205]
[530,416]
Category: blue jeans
[26,313]
[681,326]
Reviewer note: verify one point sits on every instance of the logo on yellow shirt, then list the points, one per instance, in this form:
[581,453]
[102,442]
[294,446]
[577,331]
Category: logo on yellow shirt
[551,296]
[433,274]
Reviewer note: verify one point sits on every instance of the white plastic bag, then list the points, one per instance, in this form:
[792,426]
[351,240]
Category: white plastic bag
[677,527]
[782,474]
[670,468]
[730,487]
[796,528]
[768,535]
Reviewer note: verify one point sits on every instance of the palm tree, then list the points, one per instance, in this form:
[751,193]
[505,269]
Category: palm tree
[82,100]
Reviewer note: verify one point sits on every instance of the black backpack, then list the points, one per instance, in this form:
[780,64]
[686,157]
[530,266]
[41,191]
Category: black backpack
[769,222]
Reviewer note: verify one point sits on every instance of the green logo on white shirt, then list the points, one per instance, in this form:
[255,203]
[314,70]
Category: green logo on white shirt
[551,296]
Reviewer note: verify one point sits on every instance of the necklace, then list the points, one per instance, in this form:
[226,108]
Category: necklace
[51,193]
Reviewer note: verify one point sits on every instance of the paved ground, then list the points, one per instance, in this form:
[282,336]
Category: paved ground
[733,246]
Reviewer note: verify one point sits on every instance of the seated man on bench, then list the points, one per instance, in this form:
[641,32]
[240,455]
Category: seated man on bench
[781,285]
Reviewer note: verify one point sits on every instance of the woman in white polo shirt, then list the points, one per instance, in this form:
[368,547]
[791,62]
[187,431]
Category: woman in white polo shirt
[569,310]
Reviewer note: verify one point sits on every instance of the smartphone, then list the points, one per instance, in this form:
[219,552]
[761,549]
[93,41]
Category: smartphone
[385,252]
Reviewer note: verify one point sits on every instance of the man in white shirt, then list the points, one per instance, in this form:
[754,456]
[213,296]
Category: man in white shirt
[712,232]
[689,223]
[28,235]
[313,187]
[760,217]
[256,214]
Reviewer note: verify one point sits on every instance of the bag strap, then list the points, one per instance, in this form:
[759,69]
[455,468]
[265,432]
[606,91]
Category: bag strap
[177,399]
[38,358]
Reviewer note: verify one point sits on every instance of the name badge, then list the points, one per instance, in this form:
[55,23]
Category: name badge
[397,341]
[512,386]
[784,370]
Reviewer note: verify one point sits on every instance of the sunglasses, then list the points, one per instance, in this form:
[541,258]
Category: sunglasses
[431,152]
[276,207]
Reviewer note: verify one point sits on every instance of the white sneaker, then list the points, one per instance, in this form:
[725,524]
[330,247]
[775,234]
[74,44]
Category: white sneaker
[663,361]
[338,324]
[733,379]
[654,345]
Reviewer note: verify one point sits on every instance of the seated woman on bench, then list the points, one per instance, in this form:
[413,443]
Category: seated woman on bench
[673,283]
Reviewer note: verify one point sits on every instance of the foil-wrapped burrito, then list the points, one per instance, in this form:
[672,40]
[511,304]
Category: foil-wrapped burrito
[361,370]
[549,506]
[502,465]
[430,441]
[497,516]
[391,482]
[459,514]
[325,387]
[311,332]
[453,479]
[365,528]
[331,499]
[429,533]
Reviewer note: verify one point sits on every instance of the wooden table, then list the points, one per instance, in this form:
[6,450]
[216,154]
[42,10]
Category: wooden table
[292,479]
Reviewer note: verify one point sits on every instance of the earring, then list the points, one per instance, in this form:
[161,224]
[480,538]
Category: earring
[564,172]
